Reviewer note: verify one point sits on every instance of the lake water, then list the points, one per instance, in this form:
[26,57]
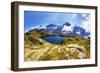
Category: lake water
[53,39]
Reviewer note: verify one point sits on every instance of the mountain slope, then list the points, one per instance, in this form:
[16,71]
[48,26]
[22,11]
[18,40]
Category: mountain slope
[37,49]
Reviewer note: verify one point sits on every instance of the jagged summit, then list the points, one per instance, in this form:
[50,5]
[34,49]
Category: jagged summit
[66,29]
[67,24]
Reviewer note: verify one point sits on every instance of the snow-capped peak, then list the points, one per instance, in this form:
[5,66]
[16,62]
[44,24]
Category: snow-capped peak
[67,29]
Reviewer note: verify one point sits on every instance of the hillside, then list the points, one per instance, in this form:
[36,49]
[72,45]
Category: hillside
[38,49]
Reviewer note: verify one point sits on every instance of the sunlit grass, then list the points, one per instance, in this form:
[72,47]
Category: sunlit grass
[36,49]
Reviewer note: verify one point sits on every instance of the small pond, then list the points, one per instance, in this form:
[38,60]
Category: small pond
[54,39]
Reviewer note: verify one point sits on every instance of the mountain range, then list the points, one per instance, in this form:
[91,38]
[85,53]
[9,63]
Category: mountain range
[54,43]
[65,29]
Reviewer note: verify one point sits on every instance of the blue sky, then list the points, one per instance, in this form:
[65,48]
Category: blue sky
[36,18]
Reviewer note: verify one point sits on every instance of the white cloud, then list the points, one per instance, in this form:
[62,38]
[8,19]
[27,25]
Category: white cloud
[74,15]
[84,15]
[86,23]
[34,28]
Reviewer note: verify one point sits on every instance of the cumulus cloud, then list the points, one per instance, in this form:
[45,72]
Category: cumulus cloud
[74,15]
[86,23]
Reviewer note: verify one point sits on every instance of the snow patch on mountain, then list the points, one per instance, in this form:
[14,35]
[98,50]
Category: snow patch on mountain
[67,29]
